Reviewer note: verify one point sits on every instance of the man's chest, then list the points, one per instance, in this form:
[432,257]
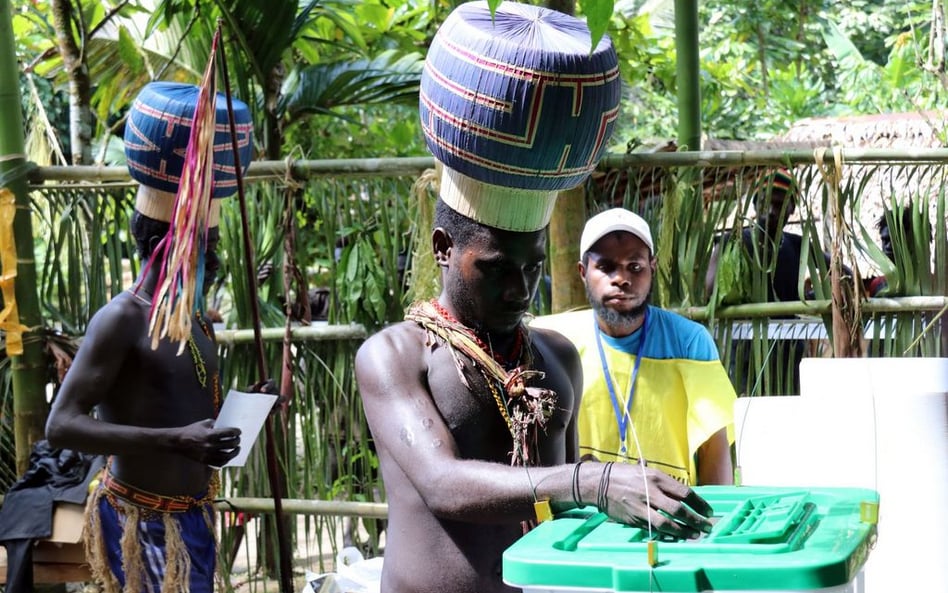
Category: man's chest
[478,410]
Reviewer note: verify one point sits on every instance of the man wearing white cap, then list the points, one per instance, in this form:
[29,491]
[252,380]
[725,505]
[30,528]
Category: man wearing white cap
[654,390]
[473,415]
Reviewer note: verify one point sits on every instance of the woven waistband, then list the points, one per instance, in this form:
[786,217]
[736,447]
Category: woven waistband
[156,502]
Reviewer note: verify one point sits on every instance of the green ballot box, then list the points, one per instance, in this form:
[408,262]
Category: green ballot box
[763,539]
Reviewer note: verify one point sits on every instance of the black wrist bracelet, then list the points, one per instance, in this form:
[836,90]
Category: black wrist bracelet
[603,499]
[577,493]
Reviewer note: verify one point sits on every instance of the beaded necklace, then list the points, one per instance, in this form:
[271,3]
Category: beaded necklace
[200,368]
[524,412]
[508,362]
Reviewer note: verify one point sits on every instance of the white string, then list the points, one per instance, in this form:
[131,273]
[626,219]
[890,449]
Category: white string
[638,446]
[12,157]
[648,503]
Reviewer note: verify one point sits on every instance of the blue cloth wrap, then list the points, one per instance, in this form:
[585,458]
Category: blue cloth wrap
[197,536]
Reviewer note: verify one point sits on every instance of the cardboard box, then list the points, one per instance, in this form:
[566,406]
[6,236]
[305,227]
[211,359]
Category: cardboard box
[64,546]
[61,558]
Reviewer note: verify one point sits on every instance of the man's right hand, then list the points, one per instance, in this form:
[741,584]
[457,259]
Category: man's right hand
[202,442]
[671,507]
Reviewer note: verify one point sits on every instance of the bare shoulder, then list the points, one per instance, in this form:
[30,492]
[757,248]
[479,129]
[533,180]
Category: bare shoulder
[399,347]
[555,342]
[399,336]
[120,321]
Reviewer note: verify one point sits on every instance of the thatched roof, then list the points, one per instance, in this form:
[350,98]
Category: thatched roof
[885,181]
[776,144]
[723,180]
[920,129]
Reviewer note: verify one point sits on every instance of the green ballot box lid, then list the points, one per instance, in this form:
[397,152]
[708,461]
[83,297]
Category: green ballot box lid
[763,539]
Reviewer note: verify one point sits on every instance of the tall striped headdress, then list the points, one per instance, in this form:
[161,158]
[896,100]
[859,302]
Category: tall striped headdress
[517,106]
[180,148]
[156,142]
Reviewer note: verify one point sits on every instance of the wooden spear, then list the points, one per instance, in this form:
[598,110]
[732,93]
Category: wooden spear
[283,541]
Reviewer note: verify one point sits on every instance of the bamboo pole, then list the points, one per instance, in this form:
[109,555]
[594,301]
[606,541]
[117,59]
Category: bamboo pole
[231,337]
[334,508]
[687,74]
[262,170]
[303,333]
[816,307]
[28,368]
[411,166]
[414,166]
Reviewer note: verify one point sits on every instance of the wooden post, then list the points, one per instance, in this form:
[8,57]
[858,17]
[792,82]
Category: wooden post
[566,227]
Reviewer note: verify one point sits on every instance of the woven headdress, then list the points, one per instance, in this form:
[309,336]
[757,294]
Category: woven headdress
[517,106]
[180,148]
[156,142]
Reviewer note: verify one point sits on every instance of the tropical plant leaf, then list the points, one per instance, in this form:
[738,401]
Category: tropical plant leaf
[598,16]
[390,77]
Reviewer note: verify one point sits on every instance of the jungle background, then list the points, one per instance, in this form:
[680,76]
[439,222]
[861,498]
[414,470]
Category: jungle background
[340,196]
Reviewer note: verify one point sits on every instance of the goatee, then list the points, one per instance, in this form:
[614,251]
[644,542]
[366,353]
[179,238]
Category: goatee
[613,318]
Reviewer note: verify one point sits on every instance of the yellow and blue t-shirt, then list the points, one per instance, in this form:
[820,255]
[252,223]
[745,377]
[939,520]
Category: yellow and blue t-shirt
[682,393]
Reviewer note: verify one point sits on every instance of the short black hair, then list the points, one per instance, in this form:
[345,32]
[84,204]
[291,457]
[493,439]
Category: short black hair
[462,230]
[148,232]
[906,219]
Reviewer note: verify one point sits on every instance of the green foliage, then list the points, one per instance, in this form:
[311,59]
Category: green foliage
[363,282]
[766,65]
[733,278]
[598,16]
[898,85]
[647,64]
[389,78]
[287,59]
[84,254]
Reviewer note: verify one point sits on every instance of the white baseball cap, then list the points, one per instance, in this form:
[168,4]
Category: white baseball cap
[616,219]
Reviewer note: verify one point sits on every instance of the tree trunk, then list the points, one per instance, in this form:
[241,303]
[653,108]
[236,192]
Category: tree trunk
[566,227]
[80,114]
[29,366]
[272,128]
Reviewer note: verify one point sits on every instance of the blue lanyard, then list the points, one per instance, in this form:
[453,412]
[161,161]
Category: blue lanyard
[622,416]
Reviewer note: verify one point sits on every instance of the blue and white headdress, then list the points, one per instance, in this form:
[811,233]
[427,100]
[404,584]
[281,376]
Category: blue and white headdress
[517,106]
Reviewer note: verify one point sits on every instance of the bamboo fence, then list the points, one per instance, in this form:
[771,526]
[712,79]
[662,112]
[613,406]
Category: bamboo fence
[351,228]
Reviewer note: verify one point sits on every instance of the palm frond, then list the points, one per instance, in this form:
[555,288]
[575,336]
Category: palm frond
[390,77]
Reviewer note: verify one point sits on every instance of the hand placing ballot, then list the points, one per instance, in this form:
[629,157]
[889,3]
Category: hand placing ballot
[248,412]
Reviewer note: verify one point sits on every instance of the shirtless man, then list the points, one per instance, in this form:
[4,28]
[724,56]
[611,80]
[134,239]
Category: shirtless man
[455,502]
[154,417]
[473,416]
[150,523]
